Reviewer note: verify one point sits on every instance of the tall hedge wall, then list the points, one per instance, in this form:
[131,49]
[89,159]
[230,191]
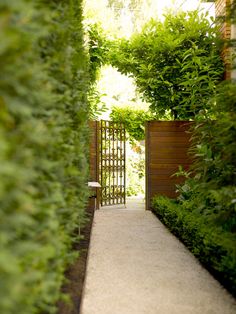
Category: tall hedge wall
[43,144]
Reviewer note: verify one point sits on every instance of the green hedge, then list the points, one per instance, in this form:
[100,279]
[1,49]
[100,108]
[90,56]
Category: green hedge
[43,144]
[213,246]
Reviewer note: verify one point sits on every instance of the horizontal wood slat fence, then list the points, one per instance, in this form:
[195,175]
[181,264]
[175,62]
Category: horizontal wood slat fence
[167,144]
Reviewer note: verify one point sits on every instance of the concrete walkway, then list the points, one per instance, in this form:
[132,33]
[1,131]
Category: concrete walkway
[136,266]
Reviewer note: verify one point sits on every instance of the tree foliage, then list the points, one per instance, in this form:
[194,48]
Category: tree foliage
[43,143]
[133,120]
[99,46]
[176,63]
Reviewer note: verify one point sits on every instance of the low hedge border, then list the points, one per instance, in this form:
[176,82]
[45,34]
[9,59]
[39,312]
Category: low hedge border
[214,247]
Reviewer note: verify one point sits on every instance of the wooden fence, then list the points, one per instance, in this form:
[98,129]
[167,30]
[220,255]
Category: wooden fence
[167,144]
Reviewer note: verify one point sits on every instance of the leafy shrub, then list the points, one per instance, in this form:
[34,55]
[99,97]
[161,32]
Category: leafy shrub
[213,246]
[204,215]
[43,143]
[211,189]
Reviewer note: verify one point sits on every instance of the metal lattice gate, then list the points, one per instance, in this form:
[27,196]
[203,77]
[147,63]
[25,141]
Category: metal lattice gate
[112,163]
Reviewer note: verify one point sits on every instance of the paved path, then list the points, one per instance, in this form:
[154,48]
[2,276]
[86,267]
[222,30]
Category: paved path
[136,266]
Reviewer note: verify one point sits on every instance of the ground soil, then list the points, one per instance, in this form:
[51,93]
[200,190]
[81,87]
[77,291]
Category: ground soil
[75,275]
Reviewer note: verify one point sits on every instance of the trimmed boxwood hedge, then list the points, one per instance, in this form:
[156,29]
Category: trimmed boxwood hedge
[214,247]
[43,144]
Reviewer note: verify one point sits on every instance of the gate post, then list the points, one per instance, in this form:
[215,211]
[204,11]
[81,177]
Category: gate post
[94,161]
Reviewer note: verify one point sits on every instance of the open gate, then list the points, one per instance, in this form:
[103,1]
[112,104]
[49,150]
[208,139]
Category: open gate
[112,172]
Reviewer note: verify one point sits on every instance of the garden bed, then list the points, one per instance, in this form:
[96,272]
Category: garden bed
[75,275]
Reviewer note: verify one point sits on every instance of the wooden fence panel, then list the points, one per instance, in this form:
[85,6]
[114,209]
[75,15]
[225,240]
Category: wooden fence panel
[167,144]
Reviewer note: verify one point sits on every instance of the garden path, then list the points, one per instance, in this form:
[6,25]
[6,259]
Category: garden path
[136,266]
